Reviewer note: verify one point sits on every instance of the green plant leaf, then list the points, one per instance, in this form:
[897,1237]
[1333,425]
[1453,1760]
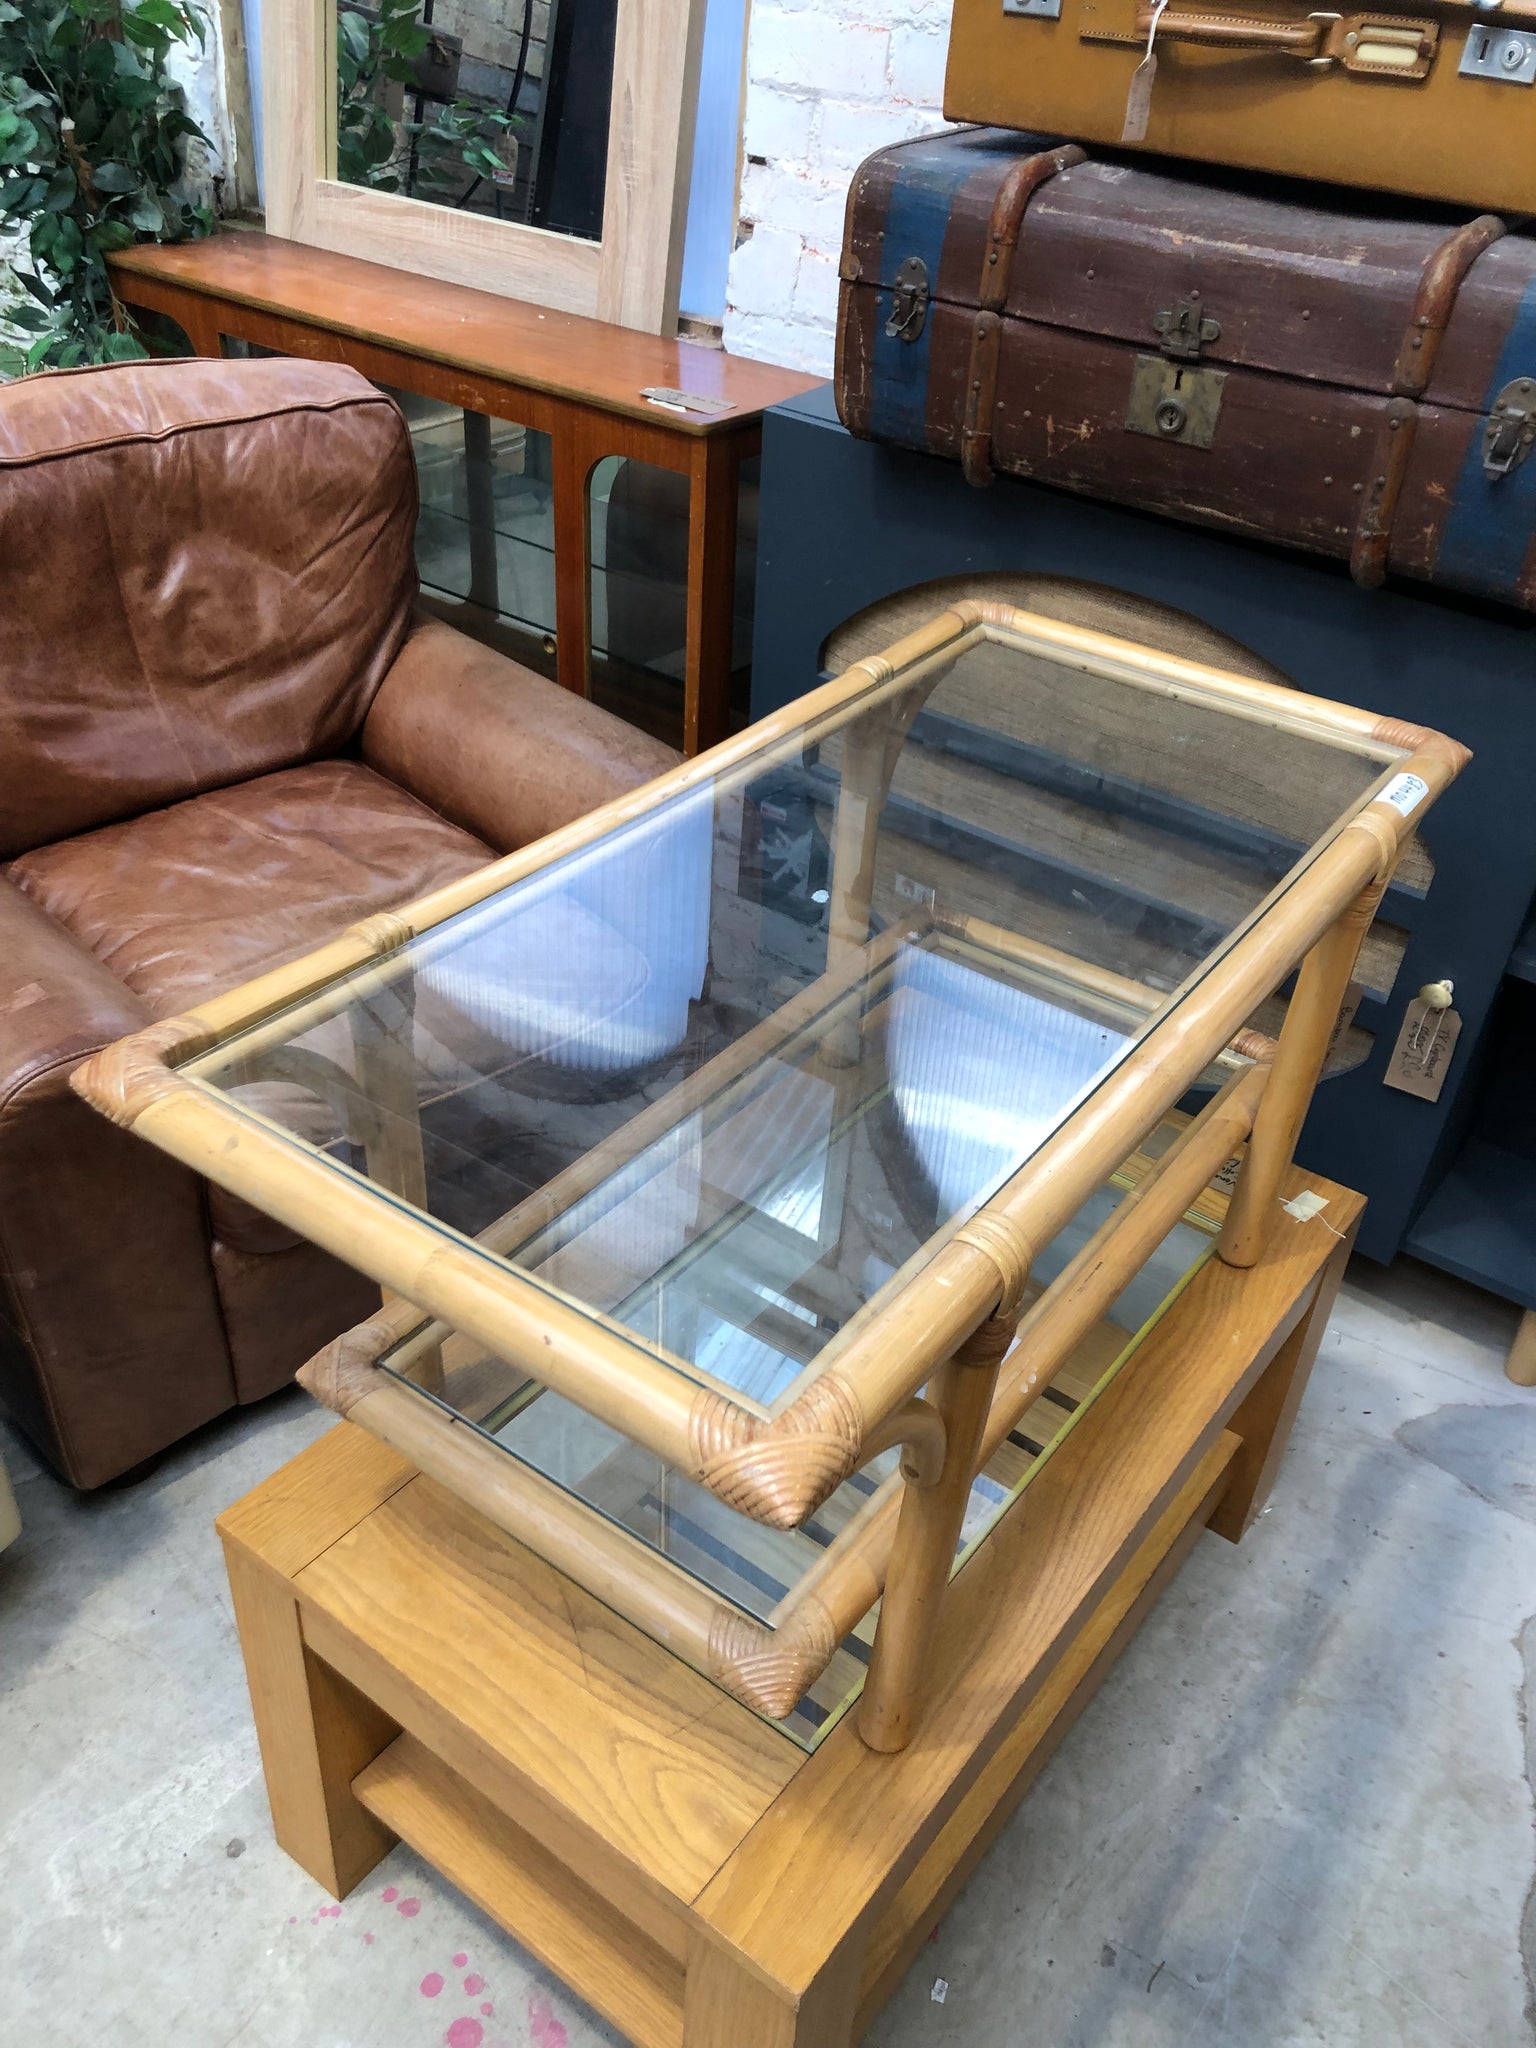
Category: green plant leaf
[115,178]
[123,348]
[63,190]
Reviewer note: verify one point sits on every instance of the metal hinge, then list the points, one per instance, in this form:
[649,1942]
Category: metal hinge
[1510,433]
[909,301]
[1185,329]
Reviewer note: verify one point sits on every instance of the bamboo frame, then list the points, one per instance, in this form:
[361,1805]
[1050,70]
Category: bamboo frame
[768,1666]
[778,1464]
[630,277]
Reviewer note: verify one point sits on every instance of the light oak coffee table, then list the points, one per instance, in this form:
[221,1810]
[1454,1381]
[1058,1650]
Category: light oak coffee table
[830,1203]
[689,1870]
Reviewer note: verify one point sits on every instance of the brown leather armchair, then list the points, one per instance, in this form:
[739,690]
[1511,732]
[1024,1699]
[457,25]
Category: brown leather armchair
[223,738]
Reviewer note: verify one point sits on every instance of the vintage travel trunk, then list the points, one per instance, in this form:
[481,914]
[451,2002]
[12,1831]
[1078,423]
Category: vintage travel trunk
[1361,383]
[1436,98]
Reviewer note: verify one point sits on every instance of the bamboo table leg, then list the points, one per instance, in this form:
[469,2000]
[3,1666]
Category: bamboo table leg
[1304,1041]
[1520,1365]
[386,1070]
[926,1535]
[714,462]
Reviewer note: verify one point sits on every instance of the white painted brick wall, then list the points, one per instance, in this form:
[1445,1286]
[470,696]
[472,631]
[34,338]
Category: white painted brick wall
[828,81]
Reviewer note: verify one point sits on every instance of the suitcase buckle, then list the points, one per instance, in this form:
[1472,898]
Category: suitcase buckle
[1510,433]
[909,301]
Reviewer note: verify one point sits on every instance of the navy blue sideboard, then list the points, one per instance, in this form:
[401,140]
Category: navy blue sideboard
[845,523]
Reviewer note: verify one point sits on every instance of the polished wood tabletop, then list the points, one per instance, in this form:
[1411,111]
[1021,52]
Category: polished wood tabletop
[561,353]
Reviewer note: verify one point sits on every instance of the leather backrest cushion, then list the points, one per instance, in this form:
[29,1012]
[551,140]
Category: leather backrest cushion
[206,569]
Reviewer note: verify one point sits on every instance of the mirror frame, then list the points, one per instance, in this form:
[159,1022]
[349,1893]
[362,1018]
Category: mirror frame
[630,277]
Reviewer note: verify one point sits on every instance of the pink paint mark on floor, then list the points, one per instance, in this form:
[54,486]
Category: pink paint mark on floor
[459,1961]
[464,2033]
[330,1912]
[474,1984]
[431,1984]
[544,2030]
[293,1919]
[408,1908]
[368,1939]
[488,2009]
[390,1895]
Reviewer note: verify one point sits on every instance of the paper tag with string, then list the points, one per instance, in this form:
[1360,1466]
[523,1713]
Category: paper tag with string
[1138,101]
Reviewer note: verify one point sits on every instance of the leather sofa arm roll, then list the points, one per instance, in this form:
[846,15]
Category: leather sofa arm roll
[91,1219]
[496,748]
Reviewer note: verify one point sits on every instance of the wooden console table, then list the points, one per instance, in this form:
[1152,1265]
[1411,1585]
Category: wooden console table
[579,381]
[690,1872]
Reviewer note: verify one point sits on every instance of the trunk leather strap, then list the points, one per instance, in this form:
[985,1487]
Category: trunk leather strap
[1004,228]
[1433,304]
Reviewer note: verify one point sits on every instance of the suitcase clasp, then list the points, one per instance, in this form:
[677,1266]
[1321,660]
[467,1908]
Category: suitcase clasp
[909,301]
[1185,329]
[1510,433]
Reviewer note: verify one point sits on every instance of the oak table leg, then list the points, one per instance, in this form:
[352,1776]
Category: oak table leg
[728,2005]
[1520,1365]
[712,487]
[315,1731]
[1267,1411]
[926,1535]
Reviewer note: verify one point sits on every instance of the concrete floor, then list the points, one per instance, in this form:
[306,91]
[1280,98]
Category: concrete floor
[1299,1814]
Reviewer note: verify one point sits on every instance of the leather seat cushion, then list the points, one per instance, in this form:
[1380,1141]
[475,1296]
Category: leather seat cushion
[184,903]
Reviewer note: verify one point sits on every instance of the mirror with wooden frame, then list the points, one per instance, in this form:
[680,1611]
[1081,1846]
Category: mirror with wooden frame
[539,148]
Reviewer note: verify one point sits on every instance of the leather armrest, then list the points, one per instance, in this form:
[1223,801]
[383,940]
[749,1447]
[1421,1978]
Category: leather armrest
[58,1003]
[111,1344]
[495,748]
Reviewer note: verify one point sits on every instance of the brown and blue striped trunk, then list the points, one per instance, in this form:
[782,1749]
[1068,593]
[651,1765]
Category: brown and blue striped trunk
[1349,376]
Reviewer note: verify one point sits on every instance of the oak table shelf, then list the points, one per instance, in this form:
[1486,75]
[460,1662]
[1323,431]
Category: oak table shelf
[578,380]
[690,1872]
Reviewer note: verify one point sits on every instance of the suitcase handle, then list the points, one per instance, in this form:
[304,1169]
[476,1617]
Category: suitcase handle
[1384,45]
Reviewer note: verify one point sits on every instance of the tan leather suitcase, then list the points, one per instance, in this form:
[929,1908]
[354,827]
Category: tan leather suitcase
[1436,99]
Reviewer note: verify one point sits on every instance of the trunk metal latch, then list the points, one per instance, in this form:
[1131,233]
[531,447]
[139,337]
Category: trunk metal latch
[1173,398]
[1185,329]
[1510,433]
[909,301]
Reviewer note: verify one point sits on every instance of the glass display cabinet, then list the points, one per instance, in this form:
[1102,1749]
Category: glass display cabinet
[770,1172]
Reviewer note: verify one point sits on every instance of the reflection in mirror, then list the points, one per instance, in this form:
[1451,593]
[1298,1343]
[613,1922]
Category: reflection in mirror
[495,107]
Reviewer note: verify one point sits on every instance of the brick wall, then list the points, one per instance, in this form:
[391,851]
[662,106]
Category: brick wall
[828,81]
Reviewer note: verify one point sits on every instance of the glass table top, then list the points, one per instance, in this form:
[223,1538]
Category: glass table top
[724,1075]
[755,1568]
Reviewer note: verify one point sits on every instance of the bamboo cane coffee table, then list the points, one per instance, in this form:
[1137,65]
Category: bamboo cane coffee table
[793,1185]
